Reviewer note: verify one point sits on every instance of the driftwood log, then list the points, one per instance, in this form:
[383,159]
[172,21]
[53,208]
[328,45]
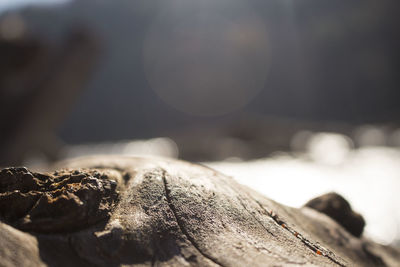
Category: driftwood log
[119,211]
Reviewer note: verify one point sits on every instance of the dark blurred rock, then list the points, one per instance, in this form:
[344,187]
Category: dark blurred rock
[336,207]
[39,81]
[171,213]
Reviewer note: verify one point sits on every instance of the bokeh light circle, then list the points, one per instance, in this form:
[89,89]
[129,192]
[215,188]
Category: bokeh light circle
[206,57]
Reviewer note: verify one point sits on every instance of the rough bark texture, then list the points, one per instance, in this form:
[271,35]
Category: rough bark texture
[157,212]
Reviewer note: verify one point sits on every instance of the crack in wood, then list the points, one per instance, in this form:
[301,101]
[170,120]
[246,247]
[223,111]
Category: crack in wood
[180,224]
[314,247]
[254,217]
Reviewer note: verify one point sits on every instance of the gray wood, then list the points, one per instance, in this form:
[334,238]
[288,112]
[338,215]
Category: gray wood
[174,213]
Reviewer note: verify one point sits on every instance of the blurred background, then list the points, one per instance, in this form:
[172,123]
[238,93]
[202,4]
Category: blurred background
[292,98]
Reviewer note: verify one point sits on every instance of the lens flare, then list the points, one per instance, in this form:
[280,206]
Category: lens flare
[206,57]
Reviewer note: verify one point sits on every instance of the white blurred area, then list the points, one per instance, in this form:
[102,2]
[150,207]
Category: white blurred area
[157,147]
[369,176]
[162,146]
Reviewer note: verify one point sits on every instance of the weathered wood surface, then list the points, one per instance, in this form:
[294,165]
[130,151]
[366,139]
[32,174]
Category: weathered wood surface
[165,213]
